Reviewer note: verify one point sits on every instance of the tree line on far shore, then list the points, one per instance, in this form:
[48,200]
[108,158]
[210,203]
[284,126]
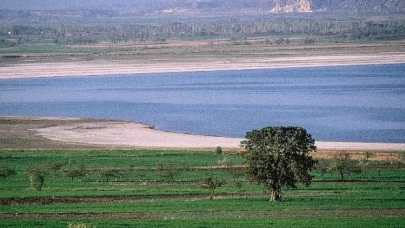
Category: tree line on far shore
[332,29]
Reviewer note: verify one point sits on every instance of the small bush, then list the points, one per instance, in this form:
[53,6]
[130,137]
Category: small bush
[211,183]
[167,170]
[225,161]
[401,156]
[6,171]
[218,150]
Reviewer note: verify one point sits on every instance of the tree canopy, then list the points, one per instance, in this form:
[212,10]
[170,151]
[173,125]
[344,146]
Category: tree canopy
[279,156]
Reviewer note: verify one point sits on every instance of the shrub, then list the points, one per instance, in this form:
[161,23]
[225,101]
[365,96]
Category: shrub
[6,171]
[37,177]
[218,150]
[211,183]
[167,171]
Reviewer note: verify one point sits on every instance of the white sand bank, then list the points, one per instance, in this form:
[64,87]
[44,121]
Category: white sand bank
[144,136]
[102,67]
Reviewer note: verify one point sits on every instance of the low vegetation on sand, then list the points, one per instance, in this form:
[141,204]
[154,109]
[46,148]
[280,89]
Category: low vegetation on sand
[173,188]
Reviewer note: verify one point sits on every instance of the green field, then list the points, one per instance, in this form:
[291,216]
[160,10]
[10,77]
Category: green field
[138,194]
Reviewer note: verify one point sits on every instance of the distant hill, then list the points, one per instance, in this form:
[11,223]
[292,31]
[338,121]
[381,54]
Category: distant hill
[360,6]
[135,8]
[286,6]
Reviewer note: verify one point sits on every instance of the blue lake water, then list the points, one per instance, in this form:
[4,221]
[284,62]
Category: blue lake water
[349,103]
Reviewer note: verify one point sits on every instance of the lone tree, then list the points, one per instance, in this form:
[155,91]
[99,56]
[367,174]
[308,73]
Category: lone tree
[167,170]
[279,156]
[342,164]
[212,183]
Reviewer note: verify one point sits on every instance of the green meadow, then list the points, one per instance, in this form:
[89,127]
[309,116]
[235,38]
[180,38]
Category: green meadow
[140,194]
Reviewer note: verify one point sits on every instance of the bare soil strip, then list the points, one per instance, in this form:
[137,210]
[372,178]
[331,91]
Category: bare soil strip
[117,199]
[59,216]
[104,67]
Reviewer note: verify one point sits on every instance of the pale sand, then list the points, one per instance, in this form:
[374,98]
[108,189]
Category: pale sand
[103,67]
[136,135]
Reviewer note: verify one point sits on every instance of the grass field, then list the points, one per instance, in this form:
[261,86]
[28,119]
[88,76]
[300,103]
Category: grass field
[139,195]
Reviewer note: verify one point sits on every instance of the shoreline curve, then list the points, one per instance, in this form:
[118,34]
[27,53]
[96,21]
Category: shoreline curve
[140,135]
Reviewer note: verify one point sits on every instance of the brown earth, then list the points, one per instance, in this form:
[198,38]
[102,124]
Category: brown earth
[364,213]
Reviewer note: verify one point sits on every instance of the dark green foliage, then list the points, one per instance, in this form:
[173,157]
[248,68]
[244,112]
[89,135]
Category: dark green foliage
[279,156]
[7,43]
[218,150]
[211,183]
[109,173]
[6,171]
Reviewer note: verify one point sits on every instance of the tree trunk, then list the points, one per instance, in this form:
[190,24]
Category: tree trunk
[341,175]
[212,194]
[275,195]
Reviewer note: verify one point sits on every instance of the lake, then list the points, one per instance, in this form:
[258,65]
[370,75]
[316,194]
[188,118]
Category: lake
[344,103]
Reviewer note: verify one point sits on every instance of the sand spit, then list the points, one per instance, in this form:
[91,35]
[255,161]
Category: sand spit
[103,67]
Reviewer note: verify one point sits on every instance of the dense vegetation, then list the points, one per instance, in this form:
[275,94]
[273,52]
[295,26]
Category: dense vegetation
[129,188]
[323,29]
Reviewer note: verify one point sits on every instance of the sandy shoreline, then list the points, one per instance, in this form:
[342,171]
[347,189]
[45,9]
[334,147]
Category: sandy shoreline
[103,67]
[137,135]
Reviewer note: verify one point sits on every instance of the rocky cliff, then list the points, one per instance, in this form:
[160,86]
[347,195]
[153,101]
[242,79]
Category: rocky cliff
[215,7]
[289,6]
